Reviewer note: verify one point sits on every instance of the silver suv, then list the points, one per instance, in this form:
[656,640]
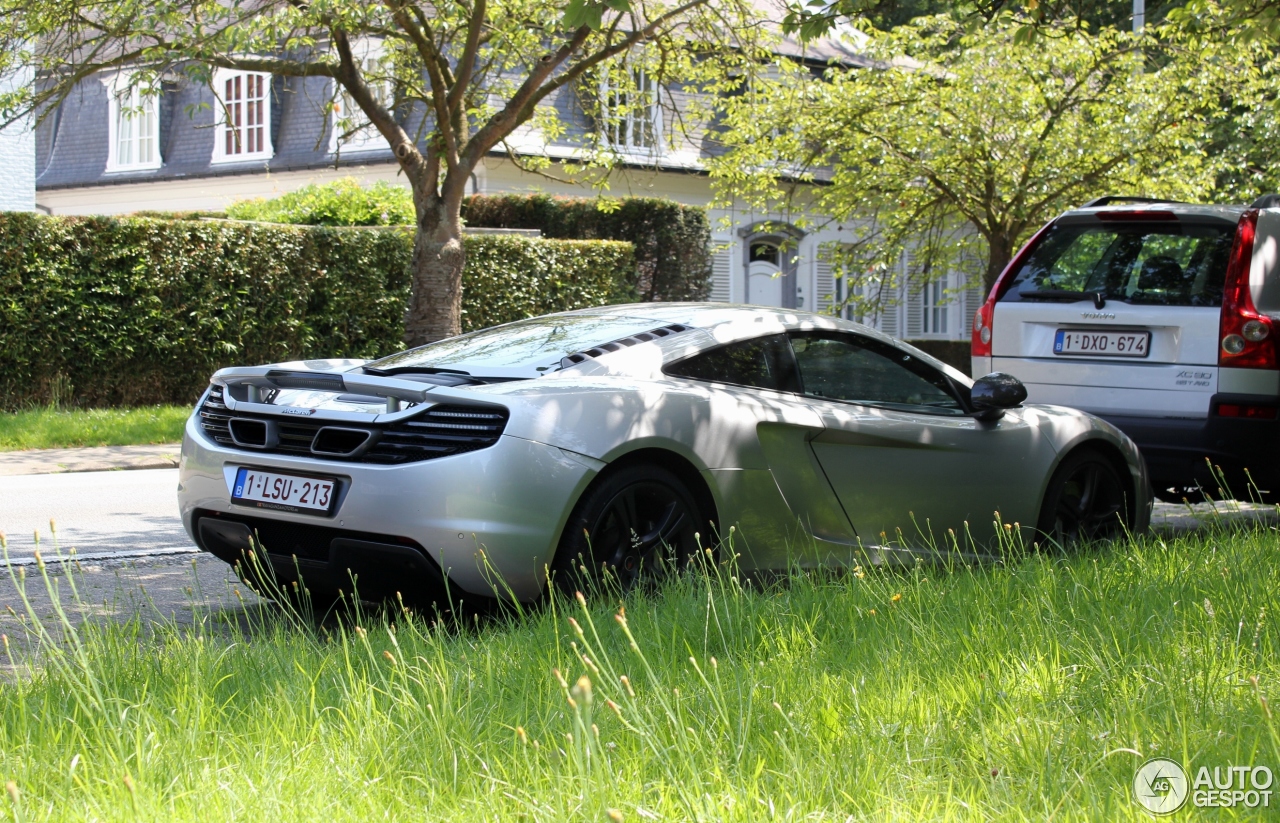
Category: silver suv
[1161,318]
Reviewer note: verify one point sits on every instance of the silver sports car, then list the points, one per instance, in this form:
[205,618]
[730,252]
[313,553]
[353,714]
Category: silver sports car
[606,440]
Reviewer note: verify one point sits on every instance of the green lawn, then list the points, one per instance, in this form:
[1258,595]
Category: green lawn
[60,428]
[1022,691]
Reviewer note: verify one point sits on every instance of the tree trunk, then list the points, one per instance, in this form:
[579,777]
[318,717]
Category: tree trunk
[435,306]
[1000,252]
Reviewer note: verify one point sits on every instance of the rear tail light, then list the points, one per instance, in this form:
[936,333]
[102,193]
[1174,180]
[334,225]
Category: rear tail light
[981,345]
[1253,412]
[1244,335]
[984,318]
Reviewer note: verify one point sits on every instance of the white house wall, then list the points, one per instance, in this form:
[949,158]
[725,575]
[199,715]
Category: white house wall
[815,277]
[17,160]
[201,193]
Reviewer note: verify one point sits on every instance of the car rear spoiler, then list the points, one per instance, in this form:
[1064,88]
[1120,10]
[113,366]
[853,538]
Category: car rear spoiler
[257,378]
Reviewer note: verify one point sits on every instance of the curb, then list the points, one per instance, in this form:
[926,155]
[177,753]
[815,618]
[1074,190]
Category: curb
[90,459]
[63,559]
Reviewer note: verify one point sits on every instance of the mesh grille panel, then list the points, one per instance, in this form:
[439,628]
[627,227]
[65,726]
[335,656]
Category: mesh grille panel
[439,431]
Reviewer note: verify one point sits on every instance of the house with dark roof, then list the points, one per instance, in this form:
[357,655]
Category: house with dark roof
[108,149]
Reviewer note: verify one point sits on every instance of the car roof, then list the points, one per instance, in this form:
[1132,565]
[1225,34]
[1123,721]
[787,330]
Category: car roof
[727,322]
[1188,210]
[708,316]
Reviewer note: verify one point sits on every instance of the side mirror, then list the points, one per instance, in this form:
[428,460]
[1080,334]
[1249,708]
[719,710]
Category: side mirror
[992,394]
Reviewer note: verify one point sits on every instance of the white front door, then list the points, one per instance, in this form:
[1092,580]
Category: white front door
[771,279]
[764,284]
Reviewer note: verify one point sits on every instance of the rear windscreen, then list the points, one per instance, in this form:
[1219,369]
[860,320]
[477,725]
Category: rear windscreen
[1167,264]
[524,344]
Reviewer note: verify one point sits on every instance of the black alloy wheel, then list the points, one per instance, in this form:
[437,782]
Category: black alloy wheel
[1086,500]
[634,525]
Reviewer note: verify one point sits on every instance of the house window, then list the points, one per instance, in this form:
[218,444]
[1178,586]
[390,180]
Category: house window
[935,308]
[630,115]
[134,127]
[351,129]
[244,119]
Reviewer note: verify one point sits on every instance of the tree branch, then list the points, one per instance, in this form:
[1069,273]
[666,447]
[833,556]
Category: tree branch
[535,88]
[402,146]
[439,84]
[466,63]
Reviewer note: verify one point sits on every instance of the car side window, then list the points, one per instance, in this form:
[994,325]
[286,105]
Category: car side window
[864,371]
[762,363]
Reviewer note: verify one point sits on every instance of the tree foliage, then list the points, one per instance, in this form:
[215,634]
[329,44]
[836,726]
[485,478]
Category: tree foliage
[453,80]
[965,141]
[816,18]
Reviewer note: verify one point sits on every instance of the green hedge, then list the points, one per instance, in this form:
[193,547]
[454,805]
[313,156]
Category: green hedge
[102,311]
[672,241]
[341,203]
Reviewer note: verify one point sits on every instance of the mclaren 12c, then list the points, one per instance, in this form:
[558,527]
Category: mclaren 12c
[616,440]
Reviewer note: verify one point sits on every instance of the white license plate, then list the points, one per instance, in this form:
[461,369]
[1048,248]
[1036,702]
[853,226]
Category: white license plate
[1102,343]
[285,492]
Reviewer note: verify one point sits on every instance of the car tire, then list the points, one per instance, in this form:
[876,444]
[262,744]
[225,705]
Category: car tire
[1086,500]
[633,526]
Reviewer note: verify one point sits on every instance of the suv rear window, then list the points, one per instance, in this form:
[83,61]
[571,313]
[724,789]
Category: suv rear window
[1168,264]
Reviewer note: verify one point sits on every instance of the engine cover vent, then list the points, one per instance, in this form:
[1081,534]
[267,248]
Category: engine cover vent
[621,343]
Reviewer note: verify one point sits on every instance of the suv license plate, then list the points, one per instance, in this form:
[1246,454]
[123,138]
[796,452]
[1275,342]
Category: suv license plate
[1102,343]
[284,492]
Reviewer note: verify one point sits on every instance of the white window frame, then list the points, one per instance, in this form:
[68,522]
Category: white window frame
[941,310]
[934,308]
[367,138]
[246,114]
[133,115]
[620,131]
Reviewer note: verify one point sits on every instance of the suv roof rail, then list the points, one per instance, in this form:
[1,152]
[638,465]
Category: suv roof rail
[1266,201]
[1119,198]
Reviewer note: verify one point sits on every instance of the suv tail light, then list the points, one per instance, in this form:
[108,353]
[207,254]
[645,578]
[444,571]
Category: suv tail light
[984,318]
[1252,412]
[1245,338]
[981,345]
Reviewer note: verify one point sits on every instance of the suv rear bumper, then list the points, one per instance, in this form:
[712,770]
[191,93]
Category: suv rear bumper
[1178,451]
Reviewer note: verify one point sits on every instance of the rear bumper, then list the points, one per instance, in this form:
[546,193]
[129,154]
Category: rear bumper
[486,521]
[1179,451]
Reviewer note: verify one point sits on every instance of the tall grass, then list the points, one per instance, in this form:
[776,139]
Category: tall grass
[1025,690]
[49,428]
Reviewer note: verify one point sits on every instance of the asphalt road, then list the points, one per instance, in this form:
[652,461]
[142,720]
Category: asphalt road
[94,512]
[136,512]
[135,559]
